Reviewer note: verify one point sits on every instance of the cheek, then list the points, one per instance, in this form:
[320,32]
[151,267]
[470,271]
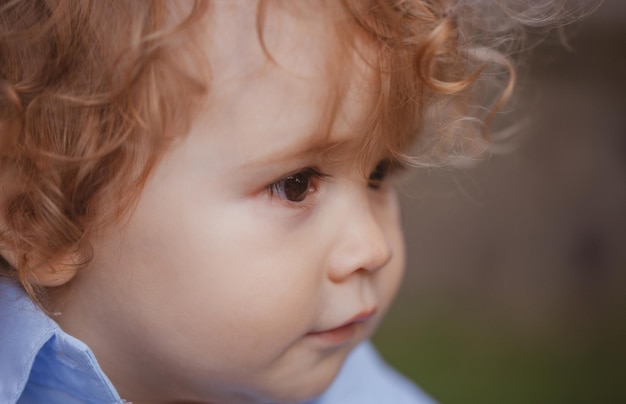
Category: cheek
[390,277]
[394,273]
[231,283]
[253,282]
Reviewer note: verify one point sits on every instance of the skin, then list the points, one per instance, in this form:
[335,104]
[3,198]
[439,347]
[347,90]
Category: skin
[217,287]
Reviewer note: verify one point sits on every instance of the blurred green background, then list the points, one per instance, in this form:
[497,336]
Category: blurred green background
[516,280]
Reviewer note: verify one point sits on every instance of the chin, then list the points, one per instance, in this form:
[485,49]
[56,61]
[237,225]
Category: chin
[309,391]
[308,385]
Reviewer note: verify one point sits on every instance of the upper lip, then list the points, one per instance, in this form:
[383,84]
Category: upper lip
[361,316]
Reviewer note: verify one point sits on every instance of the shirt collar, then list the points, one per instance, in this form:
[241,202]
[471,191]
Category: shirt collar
[33,346]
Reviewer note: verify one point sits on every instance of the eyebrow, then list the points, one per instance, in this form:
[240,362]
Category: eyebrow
[310,146]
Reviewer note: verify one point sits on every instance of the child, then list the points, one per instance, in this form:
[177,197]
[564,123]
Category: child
[197,198]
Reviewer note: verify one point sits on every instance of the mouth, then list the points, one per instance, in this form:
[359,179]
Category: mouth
[344,332]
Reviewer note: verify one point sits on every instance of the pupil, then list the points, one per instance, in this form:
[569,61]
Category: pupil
[296,187]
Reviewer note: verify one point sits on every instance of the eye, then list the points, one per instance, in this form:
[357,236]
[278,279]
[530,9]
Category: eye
[296,187]
[382,171]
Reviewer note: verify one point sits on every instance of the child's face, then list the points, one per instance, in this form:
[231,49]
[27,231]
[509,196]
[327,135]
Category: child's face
[223,283]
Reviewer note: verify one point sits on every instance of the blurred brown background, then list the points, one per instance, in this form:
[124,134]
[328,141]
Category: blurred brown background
[516,282]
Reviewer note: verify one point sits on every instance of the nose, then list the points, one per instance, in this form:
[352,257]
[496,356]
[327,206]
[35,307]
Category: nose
[361,243]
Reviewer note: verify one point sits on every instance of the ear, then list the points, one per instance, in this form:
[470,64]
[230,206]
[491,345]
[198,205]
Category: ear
[56,272]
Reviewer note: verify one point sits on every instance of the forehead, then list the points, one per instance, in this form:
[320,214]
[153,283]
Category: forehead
[245,36]
[289,73]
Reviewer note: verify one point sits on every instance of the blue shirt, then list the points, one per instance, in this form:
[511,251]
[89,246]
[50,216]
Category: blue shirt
[39,363]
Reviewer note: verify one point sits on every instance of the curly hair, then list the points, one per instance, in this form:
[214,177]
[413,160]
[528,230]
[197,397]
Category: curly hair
[92,94]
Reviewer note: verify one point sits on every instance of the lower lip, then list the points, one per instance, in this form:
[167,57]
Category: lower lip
[336,336]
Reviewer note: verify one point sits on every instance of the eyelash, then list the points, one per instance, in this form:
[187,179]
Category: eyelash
[306,181]
[381,173]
